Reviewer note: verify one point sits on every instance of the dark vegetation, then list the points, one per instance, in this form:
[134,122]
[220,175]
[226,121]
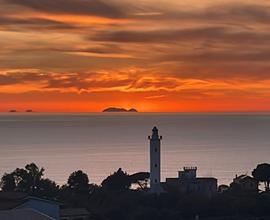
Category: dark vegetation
[262,174]
[122,196]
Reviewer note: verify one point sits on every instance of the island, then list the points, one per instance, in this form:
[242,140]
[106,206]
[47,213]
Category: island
[115,109]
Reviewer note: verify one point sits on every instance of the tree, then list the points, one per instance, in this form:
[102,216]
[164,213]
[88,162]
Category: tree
[23,180]
[8,182]
[262,174]
[47,188]
[141,179]
[118,181]
[78,181]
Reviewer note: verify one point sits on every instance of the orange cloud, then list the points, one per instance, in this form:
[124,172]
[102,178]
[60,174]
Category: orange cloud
[152,55]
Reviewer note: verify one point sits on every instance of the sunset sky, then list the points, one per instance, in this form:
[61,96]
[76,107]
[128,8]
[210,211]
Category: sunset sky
[154,55]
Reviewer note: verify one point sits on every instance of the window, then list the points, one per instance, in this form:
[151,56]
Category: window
[155,149]
[155,180]
[155,165]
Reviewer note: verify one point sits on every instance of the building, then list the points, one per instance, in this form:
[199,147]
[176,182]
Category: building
[47,207]
[155,139]
[23,214]
[17,205]
[188,182]
[14,202]
[244,183]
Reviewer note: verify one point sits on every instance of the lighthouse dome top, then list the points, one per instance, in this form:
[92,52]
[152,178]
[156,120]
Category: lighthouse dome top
[155,133]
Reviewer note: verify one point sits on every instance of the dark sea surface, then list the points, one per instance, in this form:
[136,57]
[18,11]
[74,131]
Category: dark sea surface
[220,145]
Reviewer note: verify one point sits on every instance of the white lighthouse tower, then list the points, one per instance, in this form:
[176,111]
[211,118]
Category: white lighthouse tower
[155,139]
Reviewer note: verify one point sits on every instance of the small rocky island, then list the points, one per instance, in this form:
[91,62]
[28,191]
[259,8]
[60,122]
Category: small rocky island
[115,109]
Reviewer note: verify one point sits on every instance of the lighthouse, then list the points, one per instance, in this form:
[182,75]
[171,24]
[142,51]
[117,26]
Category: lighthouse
[155,139]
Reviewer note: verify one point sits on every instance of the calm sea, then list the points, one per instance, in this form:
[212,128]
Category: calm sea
[220,145]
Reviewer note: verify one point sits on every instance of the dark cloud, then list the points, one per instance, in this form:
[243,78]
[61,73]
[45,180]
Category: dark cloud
[226,12]
[71,82]
[77,7]
[181,67]
[87,81]
[220,56]
[157,83]
[78,81]
[238,12]
[99,49]
[12,78]
[85,84]
[217,34]
[36,23]
[222,13]
[105,49]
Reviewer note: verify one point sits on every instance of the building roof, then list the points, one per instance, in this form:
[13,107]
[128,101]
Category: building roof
[42,200]
[10,200]
[23,214]
[244,178]
[73,212]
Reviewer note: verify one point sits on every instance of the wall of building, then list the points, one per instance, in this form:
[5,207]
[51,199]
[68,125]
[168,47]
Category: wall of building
[204,186]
